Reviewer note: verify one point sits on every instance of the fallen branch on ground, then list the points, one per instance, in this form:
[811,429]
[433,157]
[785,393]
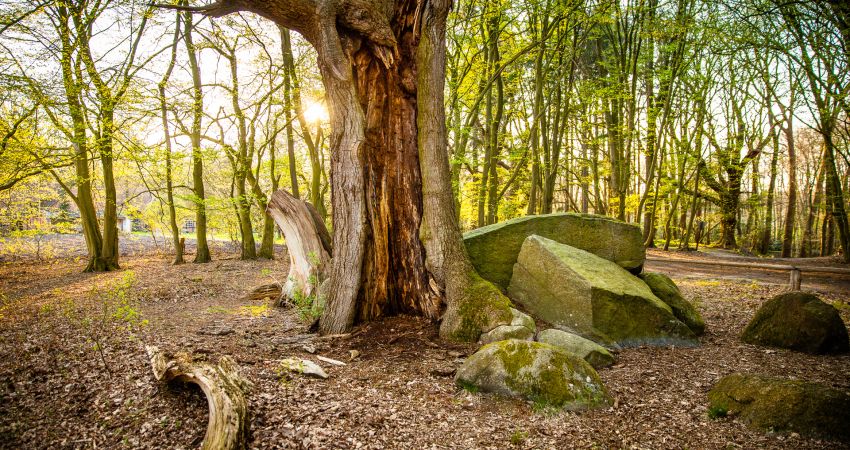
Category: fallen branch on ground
[226,393]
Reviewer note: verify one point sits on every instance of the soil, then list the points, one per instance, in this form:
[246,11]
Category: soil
[74,374]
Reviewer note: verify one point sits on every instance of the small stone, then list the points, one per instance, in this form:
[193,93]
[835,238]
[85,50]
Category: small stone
[503,332]
[807,408]
[304,367]
[353,354]
[798,321]
[309,348]
[534,371]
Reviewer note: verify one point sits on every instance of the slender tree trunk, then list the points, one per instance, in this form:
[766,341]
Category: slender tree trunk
[79,140]
[807,248]
[767,234]
[169,175]
[288,75]
[110,250]
[202,252]
[835,195]
[685,244]
[790,215]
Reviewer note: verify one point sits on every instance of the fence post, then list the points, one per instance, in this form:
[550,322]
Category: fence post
[796,279]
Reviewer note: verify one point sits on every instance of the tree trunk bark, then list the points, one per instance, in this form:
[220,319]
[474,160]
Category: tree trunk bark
[169,176]
[790,216]
[202,252]
[767,234]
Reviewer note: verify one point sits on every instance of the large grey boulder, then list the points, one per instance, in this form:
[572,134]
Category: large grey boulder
[534,371]
[776,404]
[493,249]
[665,289]
[595,354]
[593,297]
[798,321]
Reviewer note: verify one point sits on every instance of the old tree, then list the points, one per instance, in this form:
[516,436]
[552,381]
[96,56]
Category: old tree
[397,245]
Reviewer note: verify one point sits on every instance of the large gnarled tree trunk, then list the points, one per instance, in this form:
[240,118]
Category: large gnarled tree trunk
[397,247]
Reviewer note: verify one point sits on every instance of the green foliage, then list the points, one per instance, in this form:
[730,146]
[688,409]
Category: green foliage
[468,386]
[518,437]
[115,313]
[309,307]
[717,412]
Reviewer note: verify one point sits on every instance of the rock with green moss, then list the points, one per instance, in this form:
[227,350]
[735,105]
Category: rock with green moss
[798,321]
[595,354]
[493,249]
[478,308]
[593,297]
[503,332]
[522,326]
[534,371]
[519,318]
[665,289]
[774,404]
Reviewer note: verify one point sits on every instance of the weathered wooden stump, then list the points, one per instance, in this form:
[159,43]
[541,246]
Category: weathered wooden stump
[307,241]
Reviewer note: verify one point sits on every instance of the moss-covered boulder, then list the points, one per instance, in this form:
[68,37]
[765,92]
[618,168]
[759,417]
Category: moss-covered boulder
[665,289]
[798,321]
[534,371]
[595,354]
[783,405]
[493,249]
[578,291]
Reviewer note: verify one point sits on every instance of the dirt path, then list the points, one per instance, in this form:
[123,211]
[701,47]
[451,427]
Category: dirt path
[689,265]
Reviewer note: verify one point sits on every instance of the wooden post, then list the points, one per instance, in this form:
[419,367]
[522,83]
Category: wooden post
[796,279]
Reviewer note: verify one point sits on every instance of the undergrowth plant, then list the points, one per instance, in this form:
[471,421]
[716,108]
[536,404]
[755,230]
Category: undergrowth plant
[116,314]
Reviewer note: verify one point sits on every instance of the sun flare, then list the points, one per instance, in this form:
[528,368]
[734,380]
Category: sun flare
[315,112]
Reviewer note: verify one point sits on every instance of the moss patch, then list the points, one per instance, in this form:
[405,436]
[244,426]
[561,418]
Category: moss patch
[478,309]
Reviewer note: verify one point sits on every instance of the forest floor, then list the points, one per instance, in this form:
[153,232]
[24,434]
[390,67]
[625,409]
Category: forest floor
[74,374]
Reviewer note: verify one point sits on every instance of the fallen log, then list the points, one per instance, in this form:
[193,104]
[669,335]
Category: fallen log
[260,293]
[226,393]
[307,241]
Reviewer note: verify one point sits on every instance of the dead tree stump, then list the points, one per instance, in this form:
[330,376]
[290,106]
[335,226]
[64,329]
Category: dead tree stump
[226,393]
[307,241]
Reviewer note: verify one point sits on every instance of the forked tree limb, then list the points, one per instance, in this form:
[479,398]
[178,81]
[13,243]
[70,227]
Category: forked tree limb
[307,242]
[226,393]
